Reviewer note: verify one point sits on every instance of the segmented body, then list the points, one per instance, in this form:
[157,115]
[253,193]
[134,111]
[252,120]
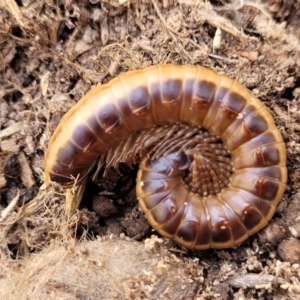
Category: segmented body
[191,95]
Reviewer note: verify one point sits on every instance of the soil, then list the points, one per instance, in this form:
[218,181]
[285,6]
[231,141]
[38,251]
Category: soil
[51,54]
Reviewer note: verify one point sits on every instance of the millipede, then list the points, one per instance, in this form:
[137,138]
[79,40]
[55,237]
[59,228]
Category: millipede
[216,170]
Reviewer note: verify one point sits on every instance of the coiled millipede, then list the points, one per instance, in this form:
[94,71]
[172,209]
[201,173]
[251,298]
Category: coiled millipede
[209,192]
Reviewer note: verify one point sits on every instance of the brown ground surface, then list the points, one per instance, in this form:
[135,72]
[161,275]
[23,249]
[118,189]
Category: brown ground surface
[51,53]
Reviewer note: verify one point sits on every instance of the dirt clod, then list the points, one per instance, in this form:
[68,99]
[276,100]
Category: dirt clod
[103,206]
[289,250]
[273,233]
